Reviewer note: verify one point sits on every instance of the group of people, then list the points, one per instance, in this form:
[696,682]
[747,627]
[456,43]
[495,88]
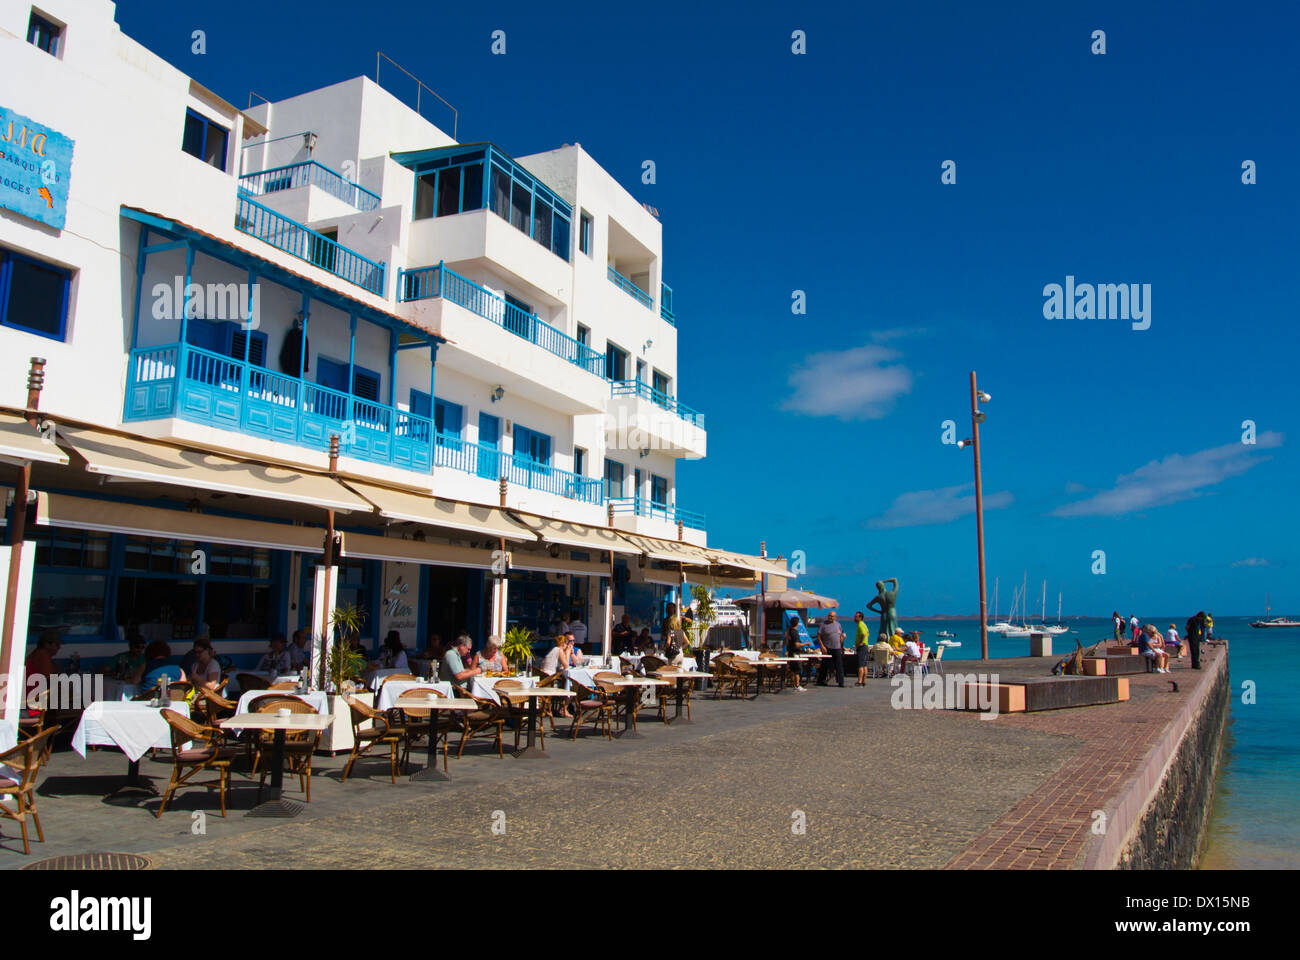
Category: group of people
[831,640]
[1160,649]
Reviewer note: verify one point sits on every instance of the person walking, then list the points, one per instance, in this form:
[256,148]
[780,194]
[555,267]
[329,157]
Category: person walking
[1195,634]
[831,635]
[1118,623]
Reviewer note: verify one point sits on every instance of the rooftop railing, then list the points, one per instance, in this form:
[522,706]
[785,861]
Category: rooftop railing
[426,283]
[306,244]
[626,285]
[642,507]
[309,172]
[492,463]
[657,397]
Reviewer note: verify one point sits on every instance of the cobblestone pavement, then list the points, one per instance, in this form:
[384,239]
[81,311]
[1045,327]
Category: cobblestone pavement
[876,787]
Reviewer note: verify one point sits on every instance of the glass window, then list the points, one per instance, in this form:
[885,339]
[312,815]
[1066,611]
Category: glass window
[163,608]
[531,445]
[613,478]
[449,192]
[237,611]
[658,491]
[424,192]
[615,362]
[585,233]
[542,224]
[560,236]
[205,139]
[521,207]
[33,296]
[472,187]
[579,461]
[500,192]
[584,335]
[44,33]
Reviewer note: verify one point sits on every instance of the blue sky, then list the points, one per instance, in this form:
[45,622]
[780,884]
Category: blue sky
[821,173]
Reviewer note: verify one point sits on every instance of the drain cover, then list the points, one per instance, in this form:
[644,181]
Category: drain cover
[93,861]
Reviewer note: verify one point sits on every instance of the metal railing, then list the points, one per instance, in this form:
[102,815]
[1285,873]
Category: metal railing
[492,463]
[306,172]
[657,397]
[641,507]
[628,286]
[297,240]
[427,283]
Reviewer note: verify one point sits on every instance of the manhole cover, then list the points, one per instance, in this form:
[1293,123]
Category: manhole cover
[93,861]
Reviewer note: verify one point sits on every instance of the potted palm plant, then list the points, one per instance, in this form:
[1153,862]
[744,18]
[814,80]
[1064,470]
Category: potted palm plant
[518,648]
[703,619]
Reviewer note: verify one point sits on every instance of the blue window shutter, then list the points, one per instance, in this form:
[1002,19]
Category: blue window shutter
[332,374]
[449,417]
[205,334]
[421,404]
[365,384]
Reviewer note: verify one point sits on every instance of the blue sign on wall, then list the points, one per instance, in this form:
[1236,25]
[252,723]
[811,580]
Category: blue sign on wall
[35,166]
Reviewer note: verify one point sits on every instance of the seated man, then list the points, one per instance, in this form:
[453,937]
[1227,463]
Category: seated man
[299,649]
[158,667]
[1174,643]
[129,665]
[624,636]
[453,667]
[275,660]
[882,651]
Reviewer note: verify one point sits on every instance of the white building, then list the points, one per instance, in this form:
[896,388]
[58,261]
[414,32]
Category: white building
[217,293]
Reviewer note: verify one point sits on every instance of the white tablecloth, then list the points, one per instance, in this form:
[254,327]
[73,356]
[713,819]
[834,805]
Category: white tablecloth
[318,700]
[393,689]
[689,663]
[8,734]
[134,726]
[371,677]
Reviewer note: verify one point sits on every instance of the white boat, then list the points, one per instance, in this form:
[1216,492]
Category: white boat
[949,643]
[945,633]
[1270,623]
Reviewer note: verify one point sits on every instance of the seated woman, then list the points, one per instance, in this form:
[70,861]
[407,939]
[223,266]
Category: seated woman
[644,642]
[491,657]
[1173,643]
[1152,647]
[206,671]
[392,655]
[157,665]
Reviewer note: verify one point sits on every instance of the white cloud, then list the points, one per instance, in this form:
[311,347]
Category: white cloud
[923,507]
[1073,487]
[1250,562]
[856,384]
[1175,478]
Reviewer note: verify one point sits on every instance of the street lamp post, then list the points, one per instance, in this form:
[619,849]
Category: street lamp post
[976,418]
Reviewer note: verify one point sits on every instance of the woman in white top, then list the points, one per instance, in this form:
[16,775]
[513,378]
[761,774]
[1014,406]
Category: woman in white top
[205,672]
[394,657]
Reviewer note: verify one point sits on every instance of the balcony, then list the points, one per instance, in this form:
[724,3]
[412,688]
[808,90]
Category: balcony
[183,381]
[643,418]
[658,398]
[429,283]
[641,507]
[666,304]
[492,463]
[628,287]
[306,244]
[309,173]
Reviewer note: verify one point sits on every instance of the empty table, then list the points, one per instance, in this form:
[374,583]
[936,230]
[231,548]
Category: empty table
[681,676]
[276,805]
[532,751]
[433,704]
[633,686]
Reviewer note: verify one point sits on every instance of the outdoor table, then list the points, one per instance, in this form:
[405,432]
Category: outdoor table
[379,673]
[391,690]
[532,751]
[318,699]
[276,805]
[681,676]
[132,726]
[632,683]
[433,705]
[763,662]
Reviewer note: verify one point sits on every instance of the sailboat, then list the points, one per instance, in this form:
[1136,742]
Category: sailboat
[1271,623]
[1058,627]
[1021,629]
[1000,626]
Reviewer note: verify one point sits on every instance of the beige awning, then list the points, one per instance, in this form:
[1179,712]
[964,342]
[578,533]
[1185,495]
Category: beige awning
[577,535]
[674,551]
[132,458]
[437,512]
[415,551]
[61,510]
[19,442]
[544,562]
[744,561]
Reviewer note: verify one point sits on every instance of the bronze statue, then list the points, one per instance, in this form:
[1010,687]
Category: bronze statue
[885,604]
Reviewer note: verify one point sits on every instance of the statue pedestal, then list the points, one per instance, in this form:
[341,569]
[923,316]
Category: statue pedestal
[1040,644]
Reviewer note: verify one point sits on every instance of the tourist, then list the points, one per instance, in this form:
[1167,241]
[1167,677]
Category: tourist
[205,671]
[453,668]
[624,636]
[575,655]
[1174,643]
[898,644]
[490,658]
[40,662]
[579,631]
[644,642]
[190,659]
[1118,623]
[158,670]
[1194,634]
[276,660]
[300,649]
[1133,622]
[128,666]
[392,653]
[1151,647]
[882,651]
[1209,627]
[861,648]
[831,637]
[911,650]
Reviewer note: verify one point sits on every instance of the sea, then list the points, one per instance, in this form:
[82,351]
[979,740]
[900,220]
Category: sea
[1255,817]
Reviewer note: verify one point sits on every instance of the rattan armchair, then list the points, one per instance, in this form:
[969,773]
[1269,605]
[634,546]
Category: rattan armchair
[251,681]
[299,745]
[592,705]
[189,761]
[489,718]
[383,732]
[413,705]
[24,763]
[507,692]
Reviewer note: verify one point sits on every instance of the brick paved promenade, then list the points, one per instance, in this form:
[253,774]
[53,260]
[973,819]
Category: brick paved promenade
[876,787]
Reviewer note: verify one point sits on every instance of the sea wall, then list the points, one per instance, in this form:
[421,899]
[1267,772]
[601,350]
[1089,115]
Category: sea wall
[1159,818]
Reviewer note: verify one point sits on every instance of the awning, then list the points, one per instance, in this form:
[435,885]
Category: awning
[20,442]
[775,568]
[61,510]
[415,551]
[674,551]
[131,458]
[577,535]
[531,560]
[435,511]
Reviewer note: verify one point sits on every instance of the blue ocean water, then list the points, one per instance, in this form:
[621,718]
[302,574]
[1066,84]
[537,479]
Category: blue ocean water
[1255,819]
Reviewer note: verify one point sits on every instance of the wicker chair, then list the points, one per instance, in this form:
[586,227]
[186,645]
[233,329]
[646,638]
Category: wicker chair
[667,696]
[417,724]
[724,675]
[507,692]
[650,663]
[629,666]
[743,673]
[24,761]
[251,681]
[488,717]
[284,685]
[617,697]
[210,707]
[382,733]
[546,705]
[299,745]
[189,762]
[590,705]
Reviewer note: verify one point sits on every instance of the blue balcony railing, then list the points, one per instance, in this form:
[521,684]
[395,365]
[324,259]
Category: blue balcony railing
[641,507]
[492,463]
[628,286]
[666,304]
[293,238]
[657,397]
[183,381]
[309,172]
[427,283]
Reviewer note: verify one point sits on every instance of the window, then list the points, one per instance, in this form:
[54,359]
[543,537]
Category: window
[205,139]
[425,189]
[532,446]
[324,248]
[518,315]
[584,335]
[227,338]
[579,461]
[615,362]
[33,295]
[613,479]
[584,233]
[44,33]
[448,417]
[658,491]
[640,371]
[449,192]
[661,383]
[334,375]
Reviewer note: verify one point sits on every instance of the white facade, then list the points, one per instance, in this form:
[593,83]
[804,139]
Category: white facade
[126,110]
